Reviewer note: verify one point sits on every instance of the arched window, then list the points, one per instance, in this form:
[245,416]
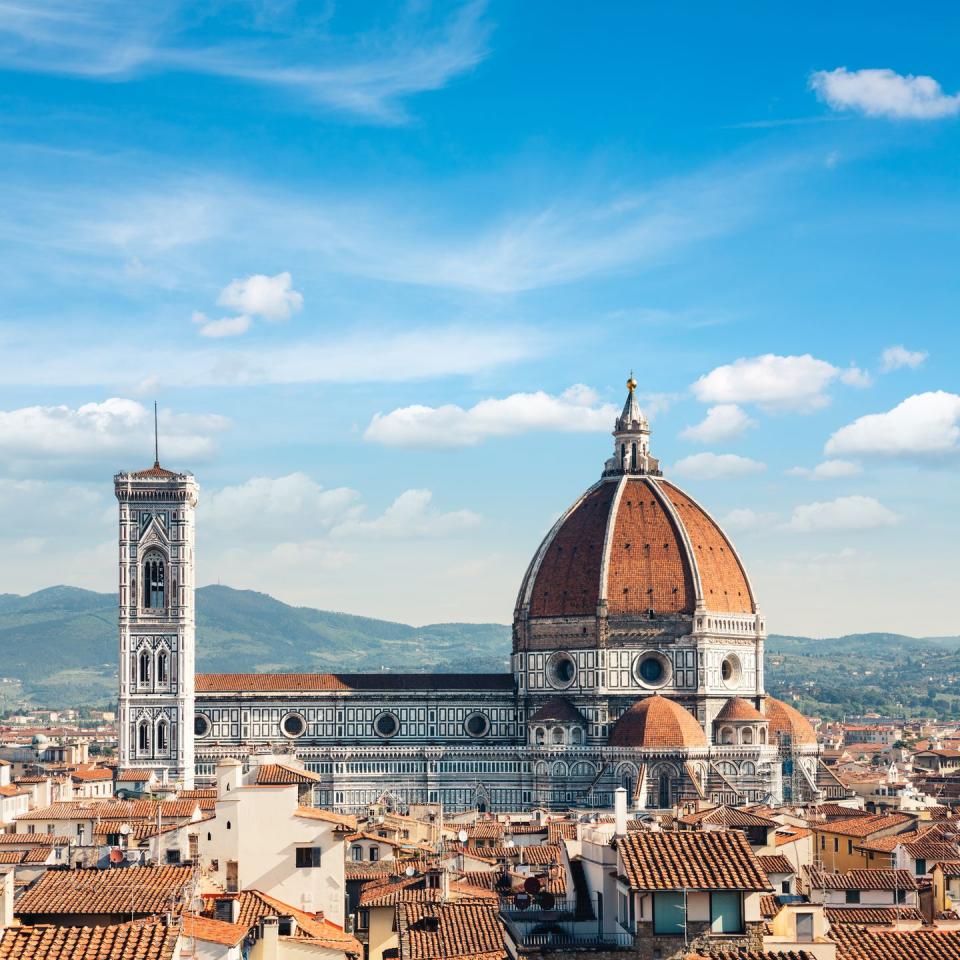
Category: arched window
[763,734]
[746,735]
[557,735]
[540,735]
[162,739]
[576,735]
[143,736]
[726,735]
[633,456]
[144,666]
[154,580]
[162,667]
[747,768]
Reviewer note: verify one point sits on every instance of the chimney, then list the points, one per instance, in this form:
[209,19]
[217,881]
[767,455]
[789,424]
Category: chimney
[229,776]
[620,811]
[227,909]
[270,938]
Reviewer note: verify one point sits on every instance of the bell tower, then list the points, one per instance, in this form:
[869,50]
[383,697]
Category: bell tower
[157,621]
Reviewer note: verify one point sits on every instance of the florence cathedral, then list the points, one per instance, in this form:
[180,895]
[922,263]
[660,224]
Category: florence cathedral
[637,661]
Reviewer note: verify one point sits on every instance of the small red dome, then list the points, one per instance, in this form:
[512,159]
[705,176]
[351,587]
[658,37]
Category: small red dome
[737,709]
[657,723]
[788,721]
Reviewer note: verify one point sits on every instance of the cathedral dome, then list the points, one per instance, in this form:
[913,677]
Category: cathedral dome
[634,545]
[657,723]
[788,721]
[737,709]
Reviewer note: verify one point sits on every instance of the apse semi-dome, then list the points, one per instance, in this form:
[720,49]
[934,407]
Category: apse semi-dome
[656,723]
[635,546]
[790,722]
[737,710]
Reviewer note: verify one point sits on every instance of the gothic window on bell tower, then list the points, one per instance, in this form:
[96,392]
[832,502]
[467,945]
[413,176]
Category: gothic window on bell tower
[162,737]
[163,668]
[143,737]
[154,582]
[143,672]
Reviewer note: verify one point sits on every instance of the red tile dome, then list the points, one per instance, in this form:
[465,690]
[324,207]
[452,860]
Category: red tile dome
[657,723]
[635,543]
[736,709]
[788,721]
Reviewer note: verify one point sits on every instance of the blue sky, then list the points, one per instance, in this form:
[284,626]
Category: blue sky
[386,267]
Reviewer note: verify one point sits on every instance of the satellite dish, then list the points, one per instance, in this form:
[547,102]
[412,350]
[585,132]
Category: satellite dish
[510,844]
[197,904]
[522,901]
[125,829]
[531,885]
[547,901]
[116,855]
[463,836]
[410,871]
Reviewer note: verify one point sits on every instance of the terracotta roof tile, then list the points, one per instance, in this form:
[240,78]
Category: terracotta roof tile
[142,941]
[656,721]
[130,890]
[213,931]
[737,709]
[279,773]
[648,560]
[725,587]
[726,816]
[568,581]
[871,915]
[864,826]
[454,930]
[875,879]
[777,863]
[861,943]
[713,860]
[787,721]
[558,708]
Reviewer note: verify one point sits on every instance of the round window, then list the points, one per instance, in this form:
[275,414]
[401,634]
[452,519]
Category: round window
[730,670]
[293,725]
[386,725]
[201,725]
[477,725]
[652,670]
[561,670]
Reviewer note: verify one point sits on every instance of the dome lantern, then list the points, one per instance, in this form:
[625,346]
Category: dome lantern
[631,439]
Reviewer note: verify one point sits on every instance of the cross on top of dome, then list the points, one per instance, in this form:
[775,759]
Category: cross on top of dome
[631,434]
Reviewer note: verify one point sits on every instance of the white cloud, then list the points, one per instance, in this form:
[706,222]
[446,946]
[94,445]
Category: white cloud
[883,93]
[296,513]
[717,466]
[743,519]
[853,376]
[722,422]
[845,513]
[216,329]
[575,410]
[926,424]
[118,428]
[115,40]
[272,298]
[893,358]
[774,382]
[828,470]
[410,516]
[291,507]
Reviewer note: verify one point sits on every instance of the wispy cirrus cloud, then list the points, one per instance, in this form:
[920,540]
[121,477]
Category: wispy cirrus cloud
[369,77]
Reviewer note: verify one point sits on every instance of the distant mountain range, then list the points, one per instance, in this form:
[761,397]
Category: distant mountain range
[58,647]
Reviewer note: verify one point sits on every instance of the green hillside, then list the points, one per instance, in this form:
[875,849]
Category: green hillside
[58,648]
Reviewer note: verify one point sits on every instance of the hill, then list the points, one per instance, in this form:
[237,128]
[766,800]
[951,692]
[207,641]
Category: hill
[58,647]
[60,644]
